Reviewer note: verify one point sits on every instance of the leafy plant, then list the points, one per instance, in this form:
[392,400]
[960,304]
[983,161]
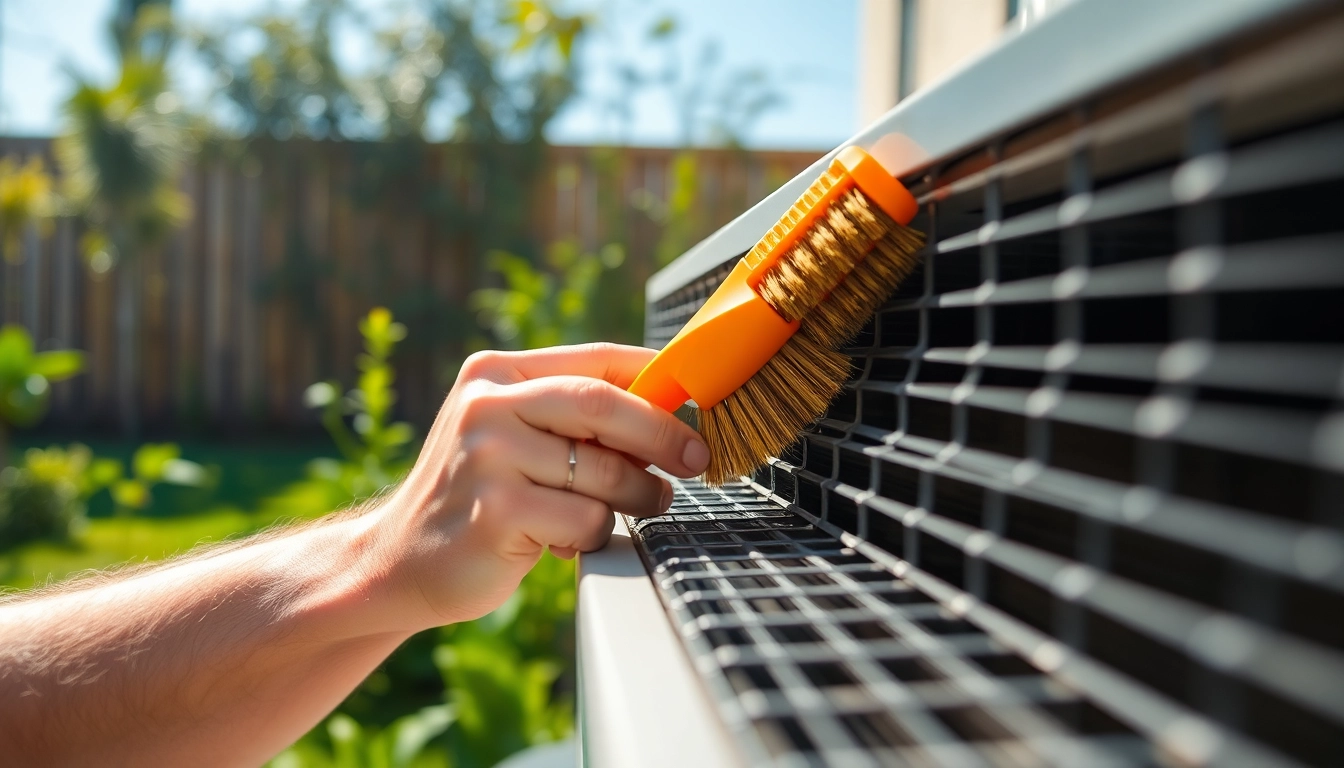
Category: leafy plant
[26,197]
[350,744]
[153,464]
[372,445]
[46,496]
[25,380]
[540,307]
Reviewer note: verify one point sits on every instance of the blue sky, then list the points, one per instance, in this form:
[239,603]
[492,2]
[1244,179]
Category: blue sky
[41,39]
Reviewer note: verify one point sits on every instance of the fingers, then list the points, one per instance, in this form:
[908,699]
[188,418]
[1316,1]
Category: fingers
[599,473]
[617,364]
[565,522]
[587,409]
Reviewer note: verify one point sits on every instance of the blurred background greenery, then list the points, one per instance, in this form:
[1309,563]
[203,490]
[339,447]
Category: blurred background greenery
[278,284]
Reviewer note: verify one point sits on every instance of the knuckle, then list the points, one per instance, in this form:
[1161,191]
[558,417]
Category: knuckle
[600,348]
[488,449]
[481,404]
[610,470]
[664,436]
[598,528]
[479,363]
[596,399]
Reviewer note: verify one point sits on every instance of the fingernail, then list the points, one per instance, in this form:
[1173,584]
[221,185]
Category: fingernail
[665,502]
[695,456]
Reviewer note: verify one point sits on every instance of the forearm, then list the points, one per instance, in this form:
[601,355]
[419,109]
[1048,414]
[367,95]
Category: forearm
[224,659]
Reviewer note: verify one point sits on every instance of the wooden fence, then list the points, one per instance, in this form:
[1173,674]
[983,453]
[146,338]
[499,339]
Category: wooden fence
[258,296]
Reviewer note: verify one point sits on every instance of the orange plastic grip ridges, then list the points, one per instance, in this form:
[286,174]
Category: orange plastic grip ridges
[851,167]
[736,331]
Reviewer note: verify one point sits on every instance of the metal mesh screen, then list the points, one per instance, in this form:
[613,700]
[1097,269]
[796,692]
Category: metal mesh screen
[1083,501]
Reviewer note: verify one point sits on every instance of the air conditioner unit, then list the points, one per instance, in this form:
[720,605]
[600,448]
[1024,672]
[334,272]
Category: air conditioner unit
[1082,502]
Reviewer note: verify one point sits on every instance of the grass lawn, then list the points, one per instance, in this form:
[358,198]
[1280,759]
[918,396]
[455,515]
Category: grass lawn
[258,486]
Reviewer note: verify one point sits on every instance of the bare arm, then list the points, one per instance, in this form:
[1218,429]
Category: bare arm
[227,657]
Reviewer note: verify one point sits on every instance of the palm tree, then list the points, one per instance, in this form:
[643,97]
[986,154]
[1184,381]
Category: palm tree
[122,154]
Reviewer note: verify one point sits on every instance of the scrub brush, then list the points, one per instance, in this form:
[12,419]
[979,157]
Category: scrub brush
[760,357]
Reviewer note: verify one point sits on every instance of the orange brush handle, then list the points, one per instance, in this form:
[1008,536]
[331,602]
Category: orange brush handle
[736,331]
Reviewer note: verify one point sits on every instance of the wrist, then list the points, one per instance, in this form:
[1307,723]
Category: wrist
[341,574]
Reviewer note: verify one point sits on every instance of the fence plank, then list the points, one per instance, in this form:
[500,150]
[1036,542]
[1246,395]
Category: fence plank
[233,329]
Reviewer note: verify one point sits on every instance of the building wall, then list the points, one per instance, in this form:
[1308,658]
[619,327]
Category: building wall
[905,45]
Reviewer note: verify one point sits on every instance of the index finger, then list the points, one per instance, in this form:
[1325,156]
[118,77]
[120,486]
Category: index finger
[585,409]
[617,364]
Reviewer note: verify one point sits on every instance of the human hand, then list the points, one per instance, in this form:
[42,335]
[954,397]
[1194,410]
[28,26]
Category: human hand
[487,494]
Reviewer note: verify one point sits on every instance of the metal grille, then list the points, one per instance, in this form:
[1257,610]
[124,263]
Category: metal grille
[1083,501]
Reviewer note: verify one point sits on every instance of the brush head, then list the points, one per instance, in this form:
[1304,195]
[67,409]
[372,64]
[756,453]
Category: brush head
[830,281]
[767,413]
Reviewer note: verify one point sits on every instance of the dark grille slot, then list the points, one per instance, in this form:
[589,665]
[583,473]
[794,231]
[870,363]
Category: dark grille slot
[1090,472]
[1263,485]
[1098,452]
[1042,526]
[1144,320]
[913,287]
[898,328]
[809,495]
[940,373]
[1285,213]
[1024,324]
[887,530]
[842,512]
[1314,613]
[1170,567]
[899,483]
[956,271]
[952,327]
[1308,317]
[930,418]
[1155,664]
[891,369]
[996,432]
[1020,598]
[845,407]
[879,409]
[820,458]
[854,468]
[957,500]
[1150,235]
[795,634]
[1011,377]
[942,560]
[1026,257]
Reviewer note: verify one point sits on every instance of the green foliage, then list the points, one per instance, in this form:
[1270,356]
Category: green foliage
[124,148]
[503,703]
[152,464]
[374,449]
[26,197]
[540,307]
[350,744]
[26,376]
[33,508]
[680,217]
[499,70]
[46,497]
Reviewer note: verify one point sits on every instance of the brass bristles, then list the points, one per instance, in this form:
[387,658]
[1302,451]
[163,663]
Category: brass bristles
[835,321]
[842,270]
[832,280]
[767,413]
